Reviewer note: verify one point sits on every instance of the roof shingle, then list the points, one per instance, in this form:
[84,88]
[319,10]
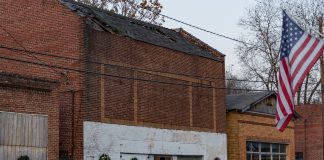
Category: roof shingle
[139,30]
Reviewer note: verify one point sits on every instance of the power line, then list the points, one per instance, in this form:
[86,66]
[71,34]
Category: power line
[127,78]
[132,68]
[117,76]
[205,30]
[24,49]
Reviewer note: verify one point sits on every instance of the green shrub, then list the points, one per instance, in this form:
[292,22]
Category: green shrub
[104,157]
[23,158]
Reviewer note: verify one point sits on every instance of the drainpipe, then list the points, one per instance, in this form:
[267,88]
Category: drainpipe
[73,118]
[305,138]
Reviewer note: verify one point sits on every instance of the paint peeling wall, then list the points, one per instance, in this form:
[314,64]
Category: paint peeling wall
[117,140]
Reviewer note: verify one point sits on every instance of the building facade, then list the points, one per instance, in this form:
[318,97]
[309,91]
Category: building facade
[308,132]
[251,129]
[96,76]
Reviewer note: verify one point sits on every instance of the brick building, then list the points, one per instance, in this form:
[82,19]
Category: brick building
[251,129]
[308,132]
[101,76]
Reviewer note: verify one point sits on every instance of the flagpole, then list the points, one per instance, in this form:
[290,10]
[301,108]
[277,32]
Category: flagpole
[322,81]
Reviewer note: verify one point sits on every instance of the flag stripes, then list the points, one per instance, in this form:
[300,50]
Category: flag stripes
[299,52]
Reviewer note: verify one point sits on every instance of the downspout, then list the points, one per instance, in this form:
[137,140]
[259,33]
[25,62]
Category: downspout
[73,118]
[305,138]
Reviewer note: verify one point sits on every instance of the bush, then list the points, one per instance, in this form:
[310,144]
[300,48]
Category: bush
[23,158]
[104,157]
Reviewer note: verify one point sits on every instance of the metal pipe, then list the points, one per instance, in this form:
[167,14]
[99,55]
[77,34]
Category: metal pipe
[73,118]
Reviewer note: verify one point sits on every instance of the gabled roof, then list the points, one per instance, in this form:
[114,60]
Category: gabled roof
[139,30]
[244,102]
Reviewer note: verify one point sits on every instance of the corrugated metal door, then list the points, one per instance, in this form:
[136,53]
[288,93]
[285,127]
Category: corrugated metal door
[23,134]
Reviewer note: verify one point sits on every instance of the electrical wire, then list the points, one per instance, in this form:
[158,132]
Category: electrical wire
[127,78]
[199,28]
[24,49]
[132,68]
[117,76]
[135,68]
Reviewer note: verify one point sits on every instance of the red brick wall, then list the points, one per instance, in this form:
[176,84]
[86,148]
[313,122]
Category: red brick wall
[48,27]
[157,104]
[34,102]
[314,142]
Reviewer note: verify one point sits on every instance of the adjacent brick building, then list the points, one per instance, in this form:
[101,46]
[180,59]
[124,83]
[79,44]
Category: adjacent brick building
[308,132]
[251,129]
[90,71]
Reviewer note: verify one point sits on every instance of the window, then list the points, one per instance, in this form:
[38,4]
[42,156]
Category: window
[162,158]
[265,151]
[189,158]
[299,156]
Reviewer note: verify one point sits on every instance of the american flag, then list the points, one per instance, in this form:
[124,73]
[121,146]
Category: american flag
[299,51]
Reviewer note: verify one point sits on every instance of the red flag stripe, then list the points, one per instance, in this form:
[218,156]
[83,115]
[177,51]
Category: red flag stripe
[304,40]
[299,52]
[304,58]
[309,63]
[282,108]
[285,123]
[279,113]
[284,82]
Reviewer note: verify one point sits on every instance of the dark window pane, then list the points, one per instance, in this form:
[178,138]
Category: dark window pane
[265,157]
[275,157]
[299,156]
[255,157]
[282,148]
[248,146]
[186,158]
[248,156]
[275,148]
[265,147]
[255,147]
[282,157]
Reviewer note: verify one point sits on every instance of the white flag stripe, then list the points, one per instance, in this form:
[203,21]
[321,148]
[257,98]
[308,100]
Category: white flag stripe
[284,100]
[302,51]
[280,114]
[298,44]
[306,64]
[285,103]
[301,55]
[281,122]
[286,84]
[285,78]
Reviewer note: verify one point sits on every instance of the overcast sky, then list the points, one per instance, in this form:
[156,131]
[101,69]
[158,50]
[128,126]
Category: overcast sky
[219,16]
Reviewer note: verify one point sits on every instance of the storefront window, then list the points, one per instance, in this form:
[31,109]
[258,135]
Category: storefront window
[265,151]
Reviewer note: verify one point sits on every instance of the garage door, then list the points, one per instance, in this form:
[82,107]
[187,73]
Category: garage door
[23,134]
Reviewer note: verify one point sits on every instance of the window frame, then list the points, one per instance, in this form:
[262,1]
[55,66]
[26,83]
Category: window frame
[260,153]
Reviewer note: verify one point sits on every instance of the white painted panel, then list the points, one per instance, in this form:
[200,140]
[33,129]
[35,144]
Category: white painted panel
[116,140]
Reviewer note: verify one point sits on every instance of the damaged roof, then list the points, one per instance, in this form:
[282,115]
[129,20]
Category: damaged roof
[141,31]
[244,102]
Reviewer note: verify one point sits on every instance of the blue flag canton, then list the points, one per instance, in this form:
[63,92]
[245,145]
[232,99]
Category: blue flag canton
[291,33]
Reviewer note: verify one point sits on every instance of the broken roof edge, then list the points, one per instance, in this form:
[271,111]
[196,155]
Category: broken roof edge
[270,93]
[90,13]
[199,41]
[247,107]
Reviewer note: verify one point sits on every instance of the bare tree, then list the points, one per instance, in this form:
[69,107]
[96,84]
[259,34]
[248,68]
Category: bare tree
[144,10]
[235,84]
[259,55]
